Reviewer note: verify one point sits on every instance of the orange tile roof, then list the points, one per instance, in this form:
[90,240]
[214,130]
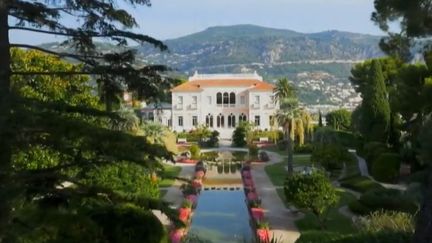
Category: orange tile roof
[197,85]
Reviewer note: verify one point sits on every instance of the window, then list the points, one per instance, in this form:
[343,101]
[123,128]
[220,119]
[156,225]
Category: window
[209,120]
[225,98]
[180,100]
[194,100]
[194,121]
[257,99]
[169,122]
[272,99]
[242,117]
[232,98]
[220,122]
[242,100]
[271,120]
[257,120]
[231,120]
[209,100]
[180,121]
[219,98]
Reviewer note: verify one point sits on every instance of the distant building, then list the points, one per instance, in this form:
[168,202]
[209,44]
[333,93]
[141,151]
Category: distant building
[221,101]
[157,112]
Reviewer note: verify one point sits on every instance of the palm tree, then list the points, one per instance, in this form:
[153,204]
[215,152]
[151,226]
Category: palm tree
[286,116]
[288,112]
[283,90]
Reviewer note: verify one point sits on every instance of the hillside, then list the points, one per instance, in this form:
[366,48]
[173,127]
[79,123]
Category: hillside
[273,53]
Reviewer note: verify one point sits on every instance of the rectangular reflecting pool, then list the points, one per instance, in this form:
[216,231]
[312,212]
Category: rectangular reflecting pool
[221,216]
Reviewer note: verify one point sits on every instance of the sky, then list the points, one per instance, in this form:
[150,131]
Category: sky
[167,19]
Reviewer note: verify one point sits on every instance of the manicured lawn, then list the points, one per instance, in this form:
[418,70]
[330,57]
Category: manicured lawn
[277,172]
[302,160]
[336,222]
[170,171]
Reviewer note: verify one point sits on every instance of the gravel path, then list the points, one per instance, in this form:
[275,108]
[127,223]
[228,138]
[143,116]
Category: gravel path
[280,218]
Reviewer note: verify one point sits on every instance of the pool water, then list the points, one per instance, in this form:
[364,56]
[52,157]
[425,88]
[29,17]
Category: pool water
[221,216]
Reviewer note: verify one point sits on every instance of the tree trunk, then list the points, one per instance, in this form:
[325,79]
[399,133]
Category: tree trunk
[290,154]
[5,116]
[423,232]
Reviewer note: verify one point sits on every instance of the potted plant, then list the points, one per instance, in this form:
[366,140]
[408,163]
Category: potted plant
[176,235]
[257,213]
[263,232]
[254,203]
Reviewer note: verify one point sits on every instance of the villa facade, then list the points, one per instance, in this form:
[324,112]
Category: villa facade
[221,101]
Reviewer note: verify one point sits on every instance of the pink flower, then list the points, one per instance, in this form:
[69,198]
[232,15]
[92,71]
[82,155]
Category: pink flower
[176,235]
[197,183]
[184,214]
[248,182]
[192,198]
[199,174]
[257,213]
[263,235]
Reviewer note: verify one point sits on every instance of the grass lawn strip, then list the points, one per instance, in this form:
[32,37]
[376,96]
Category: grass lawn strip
[170,171]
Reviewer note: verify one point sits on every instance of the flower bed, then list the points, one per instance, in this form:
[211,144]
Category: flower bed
[256,212]
[191,192]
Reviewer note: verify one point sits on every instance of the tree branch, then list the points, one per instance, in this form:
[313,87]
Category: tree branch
[59,54]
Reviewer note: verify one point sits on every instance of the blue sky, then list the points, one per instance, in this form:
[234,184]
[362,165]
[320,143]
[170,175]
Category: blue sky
[168,19]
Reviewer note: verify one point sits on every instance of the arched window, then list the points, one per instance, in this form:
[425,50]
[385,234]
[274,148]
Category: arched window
[220,120]
[242,118]
[232,98]
[225,98]
[219,98]
[231,120]
[209,120]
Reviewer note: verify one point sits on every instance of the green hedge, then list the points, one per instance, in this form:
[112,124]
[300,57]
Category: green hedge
[360,183]
[335,237]
[344,138]
[303,149]
[372,150]
[384,199]
[386,167]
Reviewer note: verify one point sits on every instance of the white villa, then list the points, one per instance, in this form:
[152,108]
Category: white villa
[220,101]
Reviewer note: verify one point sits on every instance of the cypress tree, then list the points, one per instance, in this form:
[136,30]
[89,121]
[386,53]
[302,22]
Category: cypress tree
[375,106]
[320,122]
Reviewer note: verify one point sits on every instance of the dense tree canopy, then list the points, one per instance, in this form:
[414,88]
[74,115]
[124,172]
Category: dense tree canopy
[69,170]
[339,119]
[61,166]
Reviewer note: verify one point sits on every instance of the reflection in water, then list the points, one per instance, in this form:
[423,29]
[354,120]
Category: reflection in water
[221,216]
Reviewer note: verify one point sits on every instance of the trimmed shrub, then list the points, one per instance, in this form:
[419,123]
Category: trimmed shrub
[358,208]
[331,156]
[253,151]
[386,167]
[360,183]
[195,151]
[325,135]
[389,199]
[336,237]
[303,149]
[372,150]
[419,177]
[239,136]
